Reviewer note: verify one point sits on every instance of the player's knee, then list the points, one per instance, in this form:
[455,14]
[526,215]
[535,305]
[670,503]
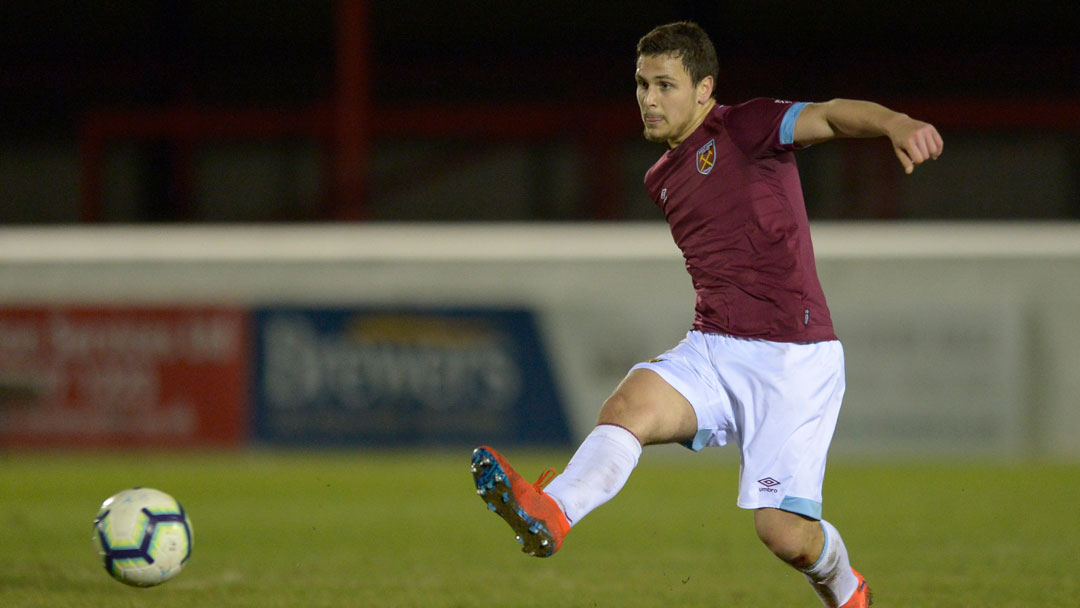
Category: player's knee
[647,406]
[789,546]
[618,409]
[631,414]
[790,543]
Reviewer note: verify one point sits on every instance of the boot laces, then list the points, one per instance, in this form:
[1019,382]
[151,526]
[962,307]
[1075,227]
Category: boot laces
[545,478]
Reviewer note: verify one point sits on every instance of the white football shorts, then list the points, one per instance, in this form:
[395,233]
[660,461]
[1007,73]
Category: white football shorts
[777,401]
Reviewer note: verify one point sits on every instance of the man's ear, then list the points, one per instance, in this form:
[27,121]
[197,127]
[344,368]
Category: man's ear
[705,89]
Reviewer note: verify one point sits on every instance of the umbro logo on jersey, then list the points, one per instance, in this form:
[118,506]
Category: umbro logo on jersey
[769,484]
[706,157]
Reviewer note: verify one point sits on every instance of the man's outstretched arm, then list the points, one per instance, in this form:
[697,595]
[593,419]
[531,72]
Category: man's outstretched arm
[913,141]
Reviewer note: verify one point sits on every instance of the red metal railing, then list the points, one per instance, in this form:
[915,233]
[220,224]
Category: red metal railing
[348,130]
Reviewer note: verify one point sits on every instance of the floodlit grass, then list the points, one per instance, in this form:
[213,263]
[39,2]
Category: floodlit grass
[396,528]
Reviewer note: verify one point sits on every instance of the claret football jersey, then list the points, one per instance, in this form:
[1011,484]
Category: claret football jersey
[732,197]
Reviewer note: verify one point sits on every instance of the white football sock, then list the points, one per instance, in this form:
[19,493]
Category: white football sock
[831,576]
[597,471]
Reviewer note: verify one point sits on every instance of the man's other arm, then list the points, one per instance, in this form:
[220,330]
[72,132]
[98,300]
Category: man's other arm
[914,141]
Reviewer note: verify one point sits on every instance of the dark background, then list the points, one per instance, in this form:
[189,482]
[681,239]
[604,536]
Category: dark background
[1001,81]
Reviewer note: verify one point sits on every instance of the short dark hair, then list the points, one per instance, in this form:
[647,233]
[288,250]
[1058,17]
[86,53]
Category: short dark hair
[687,41]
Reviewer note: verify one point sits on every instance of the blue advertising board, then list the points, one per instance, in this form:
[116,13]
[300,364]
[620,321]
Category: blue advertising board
[390,376]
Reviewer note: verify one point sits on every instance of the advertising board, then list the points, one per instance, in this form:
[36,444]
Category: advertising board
[123,376]
[403,376]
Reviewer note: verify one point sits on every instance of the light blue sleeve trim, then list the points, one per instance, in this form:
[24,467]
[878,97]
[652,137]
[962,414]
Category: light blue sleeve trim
[802,506]
[787,125]
[701,439]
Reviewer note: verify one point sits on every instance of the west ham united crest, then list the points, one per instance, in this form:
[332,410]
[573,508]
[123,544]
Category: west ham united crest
[706,157]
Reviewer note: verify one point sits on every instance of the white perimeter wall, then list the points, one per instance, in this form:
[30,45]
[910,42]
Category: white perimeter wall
[959,337]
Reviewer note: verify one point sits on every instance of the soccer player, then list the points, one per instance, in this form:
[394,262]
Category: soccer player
[761,367]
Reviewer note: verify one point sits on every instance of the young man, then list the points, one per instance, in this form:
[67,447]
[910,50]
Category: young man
[761,367]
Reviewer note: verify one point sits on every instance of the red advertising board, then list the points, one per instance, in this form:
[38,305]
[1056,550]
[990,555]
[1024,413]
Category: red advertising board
[123,376]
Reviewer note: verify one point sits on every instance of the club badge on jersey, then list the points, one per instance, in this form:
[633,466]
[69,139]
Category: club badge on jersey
[706,157]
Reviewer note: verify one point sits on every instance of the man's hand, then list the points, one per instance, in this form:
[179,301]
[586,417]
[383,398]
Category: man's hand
[914,141]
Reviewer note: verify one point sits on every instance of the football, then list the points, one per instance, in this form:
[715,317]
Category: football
[143,536]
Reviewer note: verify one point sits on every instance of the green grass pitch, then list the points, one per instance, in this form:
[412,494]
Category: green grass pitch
[400,528]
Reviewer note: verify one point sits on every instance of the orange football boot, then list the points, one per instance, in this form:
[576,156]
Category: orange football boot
[538,522]
[862,597]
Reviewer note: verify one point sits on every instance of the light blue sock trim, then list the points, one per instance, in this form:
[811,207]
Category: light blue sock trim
[700,439]
[824,548]
[787,125]
[802,506]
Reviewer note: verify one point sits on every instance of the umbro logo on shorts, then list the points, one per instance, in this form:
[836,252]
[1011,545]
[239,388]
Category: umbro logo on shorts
[768,482]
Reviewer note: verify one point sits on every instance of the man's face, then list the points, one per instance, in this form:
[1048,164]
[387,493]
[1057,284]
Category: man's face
[667,98]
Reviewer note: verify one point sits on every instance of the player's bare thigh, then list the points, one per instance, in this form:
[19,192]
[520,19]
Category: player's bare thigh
[650,408]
